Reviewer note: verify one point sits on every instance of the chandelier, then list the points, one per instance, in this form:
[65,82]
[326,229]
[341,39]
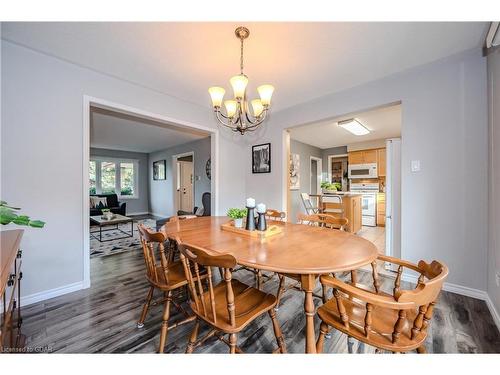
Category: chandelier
[238,116]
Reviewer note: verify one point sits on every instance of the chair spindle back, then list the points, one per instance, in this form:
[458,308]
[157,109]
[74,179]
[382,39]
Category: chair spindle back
[195,260]
[155,256]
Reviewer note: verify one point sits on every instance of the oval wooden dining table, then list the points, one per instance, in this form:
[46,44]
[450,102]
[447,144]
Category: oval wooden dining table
[299,249]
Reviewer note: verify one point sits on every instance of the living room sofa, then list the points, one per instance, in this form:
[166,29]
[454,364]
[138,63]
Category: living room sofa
[112,204]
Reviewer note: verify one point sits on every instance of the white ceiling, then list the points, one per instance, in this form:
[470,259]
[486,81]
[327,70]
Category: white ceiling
[383,123]
[302,60]
[115,131]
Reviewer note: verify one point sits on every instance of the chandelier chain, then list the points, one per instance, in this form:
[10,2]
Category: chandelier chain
[241,56]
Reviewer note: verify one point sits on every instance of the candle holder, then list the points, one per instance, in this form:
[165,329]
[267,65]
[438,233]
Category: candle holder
[250,224]
[261,222]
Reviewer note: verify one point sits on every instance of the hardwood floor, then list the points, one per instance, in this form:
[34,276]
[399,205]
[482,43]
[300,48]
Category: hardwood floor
[102,319]
[375,235]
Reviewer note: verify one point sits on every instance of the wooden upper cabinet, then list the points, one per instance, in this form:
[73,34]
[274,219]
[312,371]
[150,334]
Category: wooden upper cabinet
[381,161]
[369,156]
[355,157]
[362,157]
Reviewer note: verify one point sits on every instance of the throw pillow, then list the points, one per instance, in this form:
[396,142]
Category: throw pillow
[98,202]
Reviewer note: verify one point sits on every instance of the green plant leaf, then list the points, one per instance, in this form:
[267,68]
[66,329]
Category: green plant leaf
[21,220]
[36,223]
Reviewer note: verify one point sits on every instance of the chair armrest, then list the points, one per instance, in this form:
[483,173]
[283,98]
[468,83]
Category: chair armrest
[366,296]
[400,262]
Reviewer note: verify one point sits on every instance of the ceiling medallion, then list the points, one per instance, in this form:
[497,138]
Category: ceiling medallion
[238,116]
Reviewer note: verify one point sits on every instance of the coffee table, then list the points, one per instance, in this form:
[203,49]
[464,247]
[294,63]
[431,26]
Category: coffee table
[117,219]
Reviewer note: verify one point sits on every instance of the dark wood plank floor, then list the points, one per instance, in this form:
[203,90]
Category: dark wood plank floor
[102,319]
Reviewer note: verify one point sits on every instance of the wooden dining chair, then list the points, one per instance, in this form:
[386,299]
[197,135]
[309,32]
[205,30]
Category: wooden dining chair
[324,220]
[163,274]
[275,215]
[396,321]
[308,205]
[229,306]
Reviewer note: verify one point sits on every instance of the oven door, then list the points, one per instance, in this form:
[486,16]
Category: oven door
[368,205]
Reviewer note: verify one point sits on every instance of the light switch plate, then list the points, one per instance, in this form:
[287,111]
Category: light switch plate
[415,165]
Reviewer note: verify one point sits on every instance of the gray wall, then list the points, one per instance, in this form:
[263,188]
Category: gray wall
[341,150]
[494,177]
[42,112]
[444,123]
[141,204]
[305,151]
[162,191]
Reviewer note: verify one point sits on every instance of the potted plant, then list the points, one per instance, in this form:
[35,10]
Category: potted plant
[237,214]
[8,215]
[107,214]
[328,187]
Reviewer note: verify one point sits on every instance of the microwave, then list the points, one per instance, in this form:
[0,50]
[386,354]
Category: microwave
[363,170]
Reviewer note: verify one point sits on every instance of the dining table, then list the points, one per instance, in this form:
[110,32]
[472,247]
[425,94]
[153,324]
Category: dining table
[304,250]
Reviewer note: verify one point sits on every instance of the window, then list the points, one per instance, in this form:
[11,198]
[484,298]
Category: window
[127,179]
[92,177]
[108,176]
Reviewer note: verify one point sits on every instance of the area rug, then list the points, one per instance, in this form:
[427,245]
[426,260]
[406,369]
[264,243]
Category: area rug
[118,245]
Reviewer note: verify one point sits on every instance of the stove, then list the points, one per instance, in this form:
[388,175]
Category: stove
[368,201]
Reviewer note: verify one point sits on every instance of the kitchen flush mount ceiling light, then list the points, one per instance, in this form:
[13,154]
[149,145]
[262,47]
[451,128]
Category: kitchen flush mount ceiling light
[238,116]
[354,126]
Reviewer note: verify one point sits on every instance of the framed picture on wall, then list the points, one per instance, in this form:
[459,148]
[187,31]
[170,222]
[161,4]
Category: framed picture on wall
[294,171]
[261,158]
[160,170]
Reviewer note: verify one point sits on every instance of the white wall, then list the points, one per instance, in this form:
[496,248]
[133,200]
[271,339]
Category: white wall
[444,125]
[162,191]
[494,176]
[42,155]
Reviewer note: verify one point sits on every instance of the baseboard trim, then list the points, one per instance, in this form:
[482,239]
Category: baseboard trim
[468,292]
[158,214]
[51,293]
[493,311]
[137,213]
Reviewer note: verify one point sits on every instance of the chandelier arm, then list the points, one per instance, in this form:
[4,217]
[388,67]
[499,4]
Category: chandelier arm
[258,120]
[219,112]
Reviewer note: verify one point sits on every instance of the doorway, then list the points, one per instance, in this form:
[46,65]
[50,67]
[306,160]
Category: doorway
[343,152]
[184,182]
[315,175]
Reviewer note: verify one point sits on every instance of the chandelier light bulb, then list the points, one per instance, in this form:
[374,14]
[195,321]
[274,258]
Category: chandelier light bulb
[265,93]
[239,84]
[217,94]
[231,106]
[257,106]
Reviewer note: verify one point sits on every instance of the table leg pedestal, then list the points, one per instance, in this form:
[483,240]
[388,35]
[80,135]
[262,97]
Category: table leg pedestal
[308,282]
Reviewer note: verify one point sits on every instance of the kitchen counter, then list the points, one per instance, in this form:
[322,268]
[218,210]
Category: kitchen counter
[351,207]
[342,193]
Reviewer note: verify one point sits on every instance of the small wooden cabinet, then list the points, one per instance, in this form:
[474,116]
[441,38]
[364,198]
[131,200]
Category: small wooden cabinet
[381,162]
[11,339]
[381,209]
[352,211]
[362,157]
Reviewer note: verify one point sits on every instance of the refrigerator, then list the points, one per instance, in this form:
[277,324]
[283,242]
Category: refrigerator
[393,199]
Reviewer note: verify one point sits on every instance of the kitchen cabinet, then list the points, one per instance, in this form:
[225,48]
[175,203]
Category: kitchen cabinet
[380,209]
[351,204]
[381,162]
[362,157]
[355,157]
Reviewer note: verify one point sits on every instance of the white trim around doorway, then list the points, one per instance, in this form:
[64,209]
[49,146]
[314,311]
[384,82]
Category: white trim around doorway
[319,174]
[90,101]
[176,176]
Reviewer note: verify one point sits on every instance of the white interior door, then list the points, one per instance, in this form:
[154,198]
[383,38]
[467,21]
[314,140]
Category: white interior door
[393,198]
[186,185]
